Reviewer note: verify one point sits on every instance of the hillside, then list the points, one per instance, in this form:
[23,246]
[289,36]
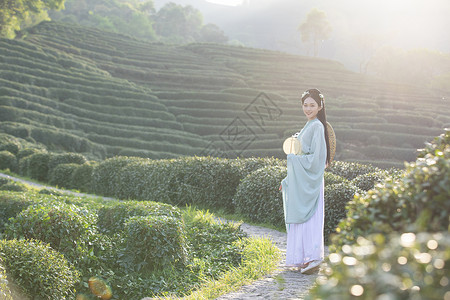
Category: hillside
[103,94]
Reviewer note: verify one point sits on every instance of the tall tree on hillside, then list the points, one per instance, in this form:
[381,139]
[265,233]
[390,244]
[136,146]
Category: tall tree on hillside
[315,29]
[14,13]
[174,20]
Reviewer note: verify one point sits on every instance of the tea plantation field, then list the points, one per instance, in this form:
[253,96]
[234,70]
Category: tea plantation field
[102,94]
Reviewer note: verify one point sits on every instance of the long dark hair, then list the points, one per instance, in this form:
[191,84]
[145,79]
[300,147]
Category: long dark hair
[321,115]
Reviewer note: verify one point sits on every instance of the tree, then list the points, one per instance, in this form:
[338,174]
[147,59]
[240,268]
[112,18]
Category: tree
[13,13]
[315,29]
[211,33]
[174,20]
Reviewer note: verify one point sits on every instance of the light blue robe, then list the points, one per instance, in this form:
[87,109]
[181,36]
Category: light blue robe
[301,187]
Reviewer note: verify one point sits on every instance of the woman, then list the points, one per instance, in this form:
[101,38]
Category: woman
[303,188]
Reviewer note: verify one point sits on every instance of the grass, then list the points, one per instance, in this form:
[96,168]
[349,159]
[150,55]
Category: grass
[260,257]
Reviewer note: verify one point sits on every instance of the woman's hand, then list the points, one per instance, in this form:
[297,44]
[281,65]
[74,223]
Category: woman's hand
[280,188]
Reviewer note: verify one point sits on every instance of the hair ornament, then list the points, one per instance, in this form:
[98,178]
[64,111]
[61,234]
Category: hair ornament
[304,94]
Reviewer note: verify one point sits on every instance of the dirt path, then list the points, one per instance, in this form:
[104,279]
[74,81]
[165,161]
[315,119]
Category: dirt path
[283,284]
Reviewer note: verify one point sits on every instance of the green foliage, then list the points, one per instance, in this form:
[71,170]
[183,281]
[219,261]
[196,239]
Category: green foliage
[106,177]
[331,178]
[15,14]
[416,201]
[367,181]
[10,185]
[258,196]
[5,292]
[213,243]
[81,178]
[65,158]
[11,204]
[154,242]
[336,198]
[398,266]
[394,242]
[39,270]
[67,228]
[350,170]
[61,175]
[8,161]
[111,218]
[37,166]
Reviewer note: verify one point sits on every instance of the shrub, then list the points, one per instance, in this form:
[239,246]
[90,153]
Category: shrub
[367,181]
[5,292]
[336,198]
[65,158]
[154,242]
[27,152]
[258,196]
[67,228]
[61,175]
[417,201]
[81,178]
[38,166]
[11,204]
[14,186]
[216,243]
[398,266]
[204,181]
[111,219]
[12,146]
[106,176]
[350,170]
[39,270]
[330,178]
[8,161]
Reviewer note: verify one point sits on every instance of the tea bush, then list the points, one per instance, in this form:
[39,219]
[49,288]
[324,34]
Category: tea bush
[5,292]
[367,181]
[397,266]
[39,270]
[65,158]
[336,198]
[66,227]
[11,204]
[331,178]
[37,166]
[394,242]
[106,177]
[13,186]
[111,218]
[350,170]
[416,201]
[81,178]
[258,196]
[215,243]
[8,161]
[154,242]
[61,175]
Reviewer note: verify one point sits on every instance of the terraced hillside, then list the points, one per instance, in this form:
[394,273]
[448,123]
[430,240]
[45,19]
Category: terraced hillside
[84,90]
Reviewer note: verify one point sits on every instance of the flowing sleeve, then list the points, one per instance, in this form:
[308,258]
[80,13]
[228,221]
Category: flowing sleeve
[301,187]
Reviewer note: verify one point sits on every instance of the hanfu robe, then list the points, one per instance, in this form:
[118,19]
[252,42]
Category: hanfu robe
[302,192]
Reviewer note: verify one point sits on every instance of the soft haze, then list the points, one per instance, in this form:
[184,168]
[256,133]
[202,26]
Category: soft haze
[272,24]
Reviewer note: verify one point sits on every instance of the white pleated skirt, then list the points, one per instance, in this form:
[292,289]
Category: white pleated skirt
[305,241]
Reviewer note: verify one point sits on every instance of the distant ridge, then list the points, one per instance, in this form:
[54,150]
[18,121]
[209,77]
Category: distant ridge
[80,89]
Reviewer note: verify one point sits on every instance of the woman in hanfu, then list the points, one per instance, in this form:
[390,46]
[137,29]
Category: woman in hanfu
[303,188]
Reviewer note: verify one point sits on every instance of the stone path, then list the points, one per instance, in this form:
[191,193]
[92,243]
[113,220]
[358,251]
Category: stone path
[283,284]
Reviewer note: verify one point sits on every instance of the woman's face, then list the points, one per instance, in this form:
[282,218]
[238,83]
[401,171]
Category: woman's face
[311,108]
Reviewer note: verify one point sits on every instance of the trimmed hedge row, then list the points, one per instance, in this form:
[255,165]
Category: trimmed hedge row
[38,269]
[148,245]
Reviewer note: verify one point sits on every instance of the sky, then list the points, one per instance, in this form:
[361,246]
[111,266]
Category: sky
[226,2]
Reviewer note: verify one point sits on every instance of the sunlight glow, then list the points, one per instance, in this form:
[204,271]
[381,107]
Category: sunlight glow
[226,2]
